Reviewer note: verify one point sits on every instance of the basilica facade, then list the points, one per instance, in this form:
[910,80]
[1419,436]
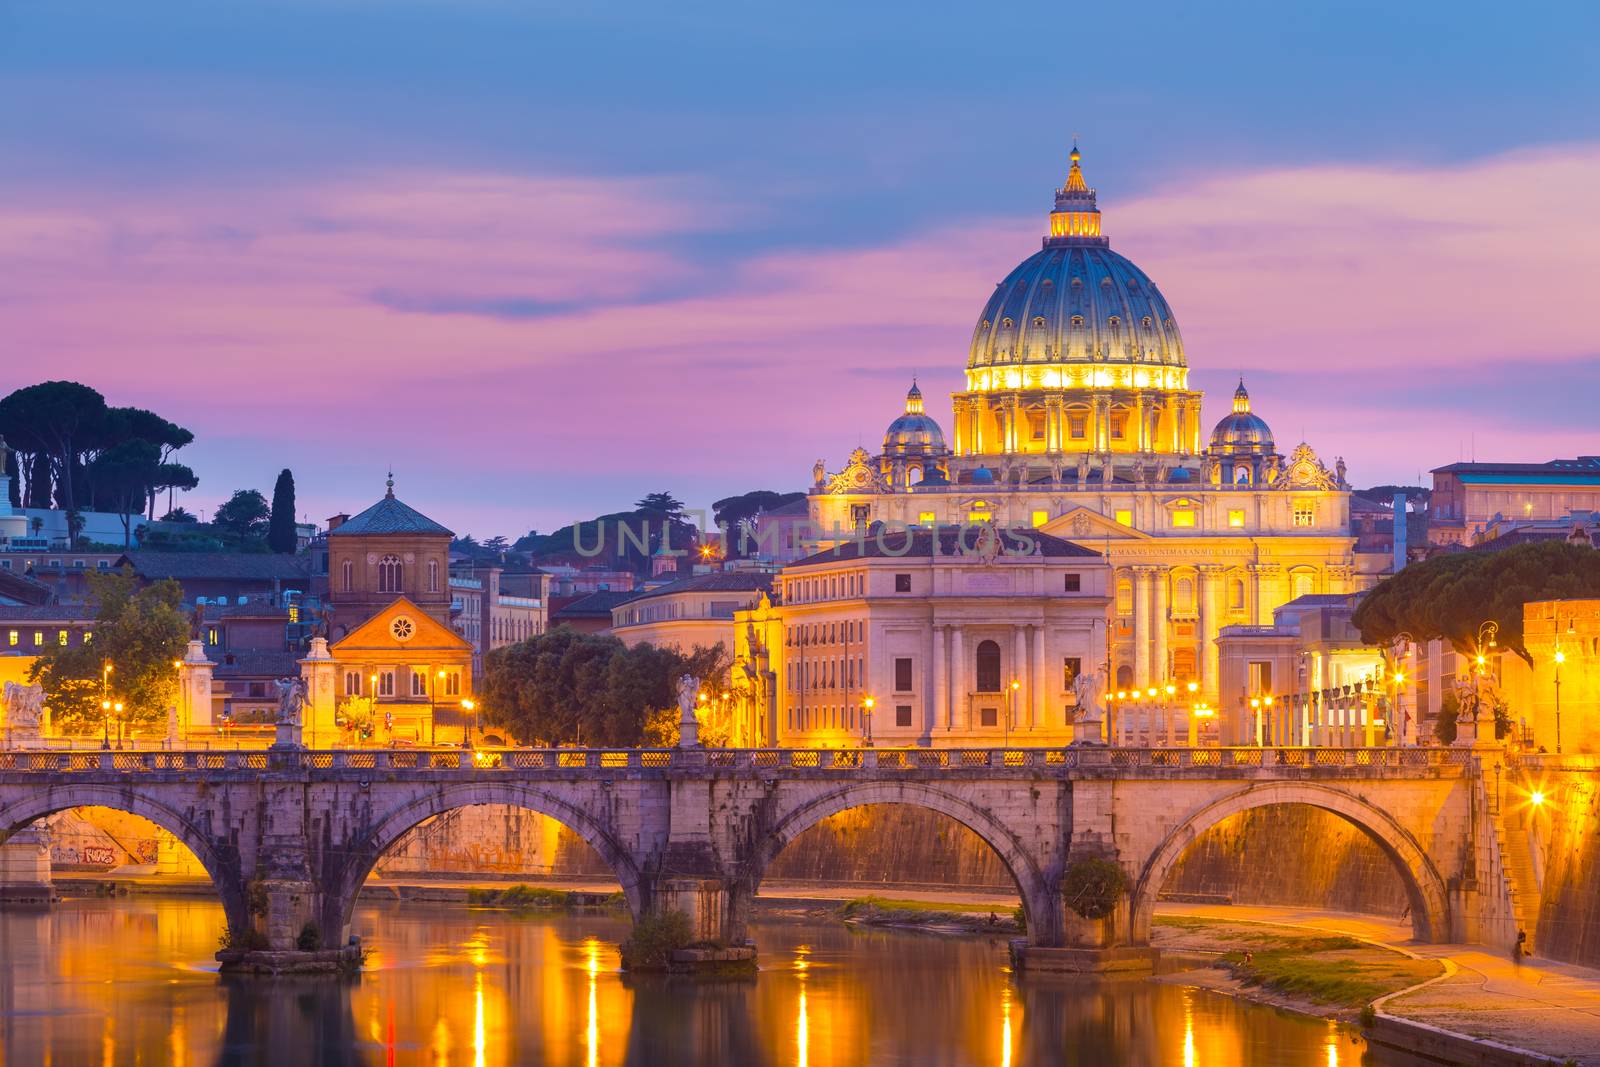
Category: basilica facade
[1077,419]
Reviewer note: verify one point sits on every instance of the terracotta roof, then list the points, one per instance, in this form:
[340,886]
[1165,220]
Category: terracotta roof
[256,566]
[389,516]
[46,613]
[595,605]
[960,541]
[715,582]
[273,664]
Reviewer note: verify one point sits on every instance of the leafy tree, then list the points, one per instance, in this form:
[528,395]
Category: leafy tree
[732,513]
[664,504]
[496,546]
[614,539]
[172,476]
[139,632]
[124,474]
[565,687]
[1092,886]
[57,417]
[1450,596]
[14,474]
[245,514]
[178,515]
[281,536]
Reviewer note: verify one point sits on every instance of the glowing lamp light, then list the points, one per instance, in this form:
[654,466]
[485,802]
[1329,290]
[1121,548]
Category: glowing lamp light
[1151,692]
[1194,687]
[1399,677]
[1536,798]
[1015,685]
[1267,700]
[1561,657]
[1121,695]
[1171,689]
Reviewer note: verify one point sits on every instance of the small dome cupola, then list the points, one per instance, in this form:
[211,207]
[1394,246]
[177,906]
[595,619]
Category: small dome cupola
[1242,432]
[1076,218]
[914,433]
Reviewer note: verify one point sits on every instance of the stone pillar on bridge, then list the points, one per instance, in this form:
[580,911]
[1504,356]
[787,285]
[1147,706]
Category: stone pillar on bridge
[194,689]
[25,873]
[321,728]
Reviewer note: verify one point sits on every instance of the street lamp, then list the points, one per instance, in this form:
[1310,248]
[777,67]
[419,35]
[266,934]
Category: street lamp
[117,707]
[1011,708]
[867,704]
[1560,657]
[105,723]
[466,737]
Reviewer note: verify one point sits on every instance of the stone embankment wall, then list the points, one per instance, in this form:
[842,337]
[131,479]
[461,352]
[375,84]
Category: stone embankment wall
[491,840]
[1567,848]
[891,844]
[1290,855]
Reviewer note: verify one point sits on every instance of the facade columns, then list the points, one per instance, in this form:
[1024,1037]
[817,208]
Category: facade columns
[1160,667]
[1139,424]
[1101,430]
[1022,696]
[1267,578]
[1142,575]
[958,671]
[1209,660]
[941,680]
[1038,702]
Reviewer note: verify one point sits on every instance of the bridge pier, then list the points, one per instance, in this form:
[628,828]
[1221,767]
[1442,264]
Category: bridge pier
[25,876]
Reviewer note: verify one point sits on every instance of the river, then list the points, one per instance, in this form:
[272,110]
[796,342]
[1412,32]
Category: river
[132,981]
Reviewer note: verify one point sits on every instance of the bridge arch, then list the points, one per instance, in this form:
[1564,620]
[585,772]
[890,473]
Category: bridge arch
[220,860]
[1425,887]
[1034,882]
[353,865]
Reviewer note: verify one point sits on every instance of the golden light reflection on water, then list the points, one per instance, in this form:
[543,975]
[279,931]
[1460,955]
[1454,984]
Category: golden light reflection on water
[121,982]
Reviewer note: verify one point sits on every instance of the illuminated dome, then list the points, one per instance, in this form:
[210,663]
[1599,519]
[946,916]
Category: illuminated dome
[1076,302]
[1241,433]
[915,432]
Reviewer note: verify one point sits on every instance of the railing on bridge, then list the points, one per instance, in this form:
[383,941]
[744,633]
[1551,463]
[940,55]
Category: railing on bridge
[503,760]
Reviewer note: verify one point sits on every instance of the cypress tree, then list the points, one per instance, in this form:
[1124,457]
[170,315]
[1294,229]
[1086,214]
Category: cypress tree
[14,472]
[280,531]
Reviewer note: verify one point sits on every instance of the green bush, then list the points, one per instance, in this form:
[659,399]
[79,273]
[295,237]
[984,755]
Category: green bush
[1093,887]
[1020,917]
[1369,1016]
[654,939]
[248,940]
[310,939]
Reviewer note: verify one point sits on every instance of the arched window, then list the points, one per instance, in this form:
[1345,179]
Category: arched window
[1183,595]
[349,576]
[1124,676]
[389,574]
[1124,597]
[1301,583]
[433,576]
[1236,594]
[988,667]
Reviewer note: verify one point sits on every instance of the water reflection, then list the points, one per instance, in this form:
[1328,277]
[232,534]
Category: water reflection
[128,981]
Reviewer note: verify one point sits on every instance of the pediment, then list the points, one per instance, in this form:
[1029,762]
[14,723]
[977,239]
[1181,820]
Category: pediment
[385,629]
[1082,522]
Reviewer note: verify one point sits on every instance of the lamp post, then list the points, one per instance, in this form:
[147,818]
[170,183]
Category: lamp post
[466,737]
[117,707]
[105,703]
[1560,658]
[867,704]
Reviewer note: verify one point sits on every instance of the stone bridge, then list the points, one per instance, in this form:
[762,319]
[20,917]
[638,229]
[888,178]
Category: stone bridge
[289,837]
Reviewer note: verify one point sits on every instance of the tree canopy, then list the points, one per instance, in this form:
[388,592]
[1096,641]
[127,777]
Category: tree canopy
[281,536]
[1450,596]
[245,514]
[139,632]
[62,431]
[732,513]
[568,687]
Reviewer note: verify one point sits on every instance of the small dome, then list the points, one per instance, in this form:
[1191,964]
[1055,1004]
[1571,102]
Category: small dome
[914,433]
[1242,432]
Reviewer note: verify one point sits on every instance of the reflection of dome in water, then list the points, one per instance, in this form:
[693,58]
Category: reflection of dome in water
[1242,433]
[915,432]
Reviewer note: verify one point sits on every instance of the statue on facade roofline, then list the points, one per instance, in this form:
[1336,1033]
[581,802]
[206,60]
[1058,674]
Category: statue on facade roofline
[819,473]
[1338,474]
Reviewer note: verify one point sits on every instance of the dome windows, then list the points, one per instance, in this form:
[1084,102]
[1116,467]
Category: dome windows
[1148,322]
[1006,323]
[1114,321]
[1077,320]
[1038,320]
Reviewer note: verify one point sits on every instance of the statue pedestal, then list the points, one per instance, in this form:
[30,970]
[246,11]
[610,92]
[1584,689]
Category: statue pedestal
[287,737]
[318,670]
[1089,731]
[25,875]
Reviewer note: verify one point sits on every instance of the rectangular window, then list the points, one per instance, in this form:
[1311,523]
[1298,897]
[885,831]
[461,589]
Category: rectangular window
[902,674]
[1236,518]
[979,516]
[1071,667]
[902,714]
[104,565]
[902,583]
[38,638]
[88,635]
[13,638]
[926,518]
[212,637]
[352,683]
[1124,517]
[1072,583]
[61,638]
[1305,513]
[988,716]
[6,563]
[1119,422]
[1260,676]
[81,564]
[386,683]
[1077,427]
[1182,518]
[1041,517]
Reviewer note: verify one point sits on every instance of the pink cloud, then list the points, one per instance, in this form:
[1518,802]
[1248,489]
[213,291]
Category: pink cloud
[554,331]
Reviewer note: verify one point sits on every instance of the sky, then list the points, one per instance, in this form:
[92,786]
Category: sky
[544,258]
